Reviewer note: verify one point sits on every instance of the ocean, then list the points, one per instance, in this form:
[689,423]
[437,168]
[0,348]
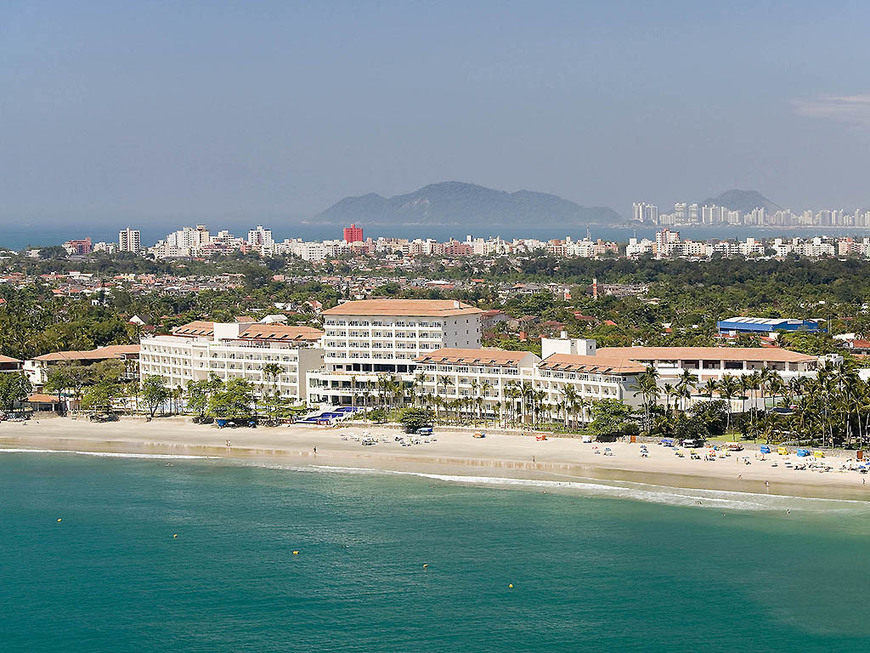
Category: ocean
[126,553]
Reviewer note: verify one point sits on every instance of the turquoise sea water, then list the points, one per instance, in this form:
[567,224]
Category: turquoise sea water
[591,570]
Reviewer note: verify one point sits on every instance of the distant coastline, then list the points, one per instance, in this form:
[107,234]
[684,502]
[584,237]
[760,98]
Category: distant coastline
[48,235]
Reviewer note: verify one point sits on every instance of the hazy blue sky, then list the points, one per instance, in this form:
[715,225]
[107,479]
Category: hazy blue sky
[180,111]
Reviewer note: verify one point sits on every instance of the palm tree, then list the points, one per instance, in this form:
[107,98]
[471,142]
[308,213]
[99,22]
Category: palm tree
[684,387]
[485,387]
[728,387]
[271,372]
[569,396]
[753,382]
[512,392]
[670,391]
[446,383]
[528,398]
[710,388]
[419,384]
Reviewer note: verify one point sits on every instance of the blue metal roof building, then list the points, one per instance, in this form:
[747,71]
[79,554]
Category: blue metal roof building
[766,325]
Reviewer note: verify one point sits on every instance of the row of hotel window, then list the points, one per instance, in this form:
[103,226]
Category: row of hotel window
[177,357]
[380,334]
[380,323]
[379,345]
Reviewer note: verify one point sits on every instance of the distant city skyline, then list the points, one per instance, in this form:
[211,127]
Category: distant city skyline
[120,113]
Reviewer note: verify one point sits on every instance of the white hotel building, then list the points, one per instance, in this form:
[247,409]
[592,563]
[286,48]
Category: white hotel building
[494,375]
[374,337]
[235,350]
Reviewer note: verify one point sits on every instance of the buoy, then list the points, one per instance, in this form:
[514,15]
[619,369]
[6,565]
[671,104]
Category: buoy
[510,586]
[58,520]
[175,535]
[296,553]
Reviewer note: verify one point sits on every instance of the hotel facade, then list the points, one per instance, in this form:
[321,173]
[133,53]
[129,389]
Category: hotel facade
[197,350]
[432,348]
[368,340]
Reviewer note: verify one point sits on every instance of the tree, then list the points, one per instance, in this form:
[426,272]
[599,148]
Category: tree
[154,393]
[100,396]
[690,428]
[198,393]
[275,406]
[111,370]
[233,401]
[415,418]
[609,418]
[713,414]
[14,388]
[728,388]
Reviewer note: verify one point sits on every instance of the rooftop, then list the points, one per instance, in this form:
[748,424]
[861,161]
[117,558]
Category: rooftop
[593,364]
[498,357]
[404,307]
[753,354]
[271,332]
[98,354]
[767,321]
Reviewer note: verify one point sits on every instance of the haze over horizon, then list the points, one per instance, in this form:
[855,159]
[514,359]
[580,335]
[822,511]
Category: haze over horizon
[227,112]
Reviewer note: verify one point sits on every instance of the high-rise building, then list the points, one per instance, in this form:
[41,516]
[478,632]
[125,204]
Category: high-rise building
[261,239]
[353,234]
[643,212]
[129,240]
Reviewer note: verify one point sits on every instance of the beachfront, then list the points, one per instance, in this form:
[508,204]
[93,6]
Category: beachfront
[452,452]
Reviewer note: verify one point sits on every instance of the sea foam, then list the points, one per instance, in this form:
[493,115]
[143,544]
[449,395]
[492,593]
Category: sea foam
[111,454]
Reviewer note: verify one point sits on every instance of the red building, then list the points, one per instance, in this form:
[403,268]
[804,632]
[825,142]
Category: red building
[353,234]
[78,246]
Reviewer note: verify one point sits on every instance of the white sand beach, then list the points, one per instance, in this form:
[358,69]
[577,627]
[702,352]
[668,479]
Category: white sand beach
[453,452]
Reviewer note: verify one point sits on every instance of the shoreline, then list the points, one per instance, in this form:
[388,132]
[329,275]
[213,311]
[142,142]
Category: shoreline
[455,454]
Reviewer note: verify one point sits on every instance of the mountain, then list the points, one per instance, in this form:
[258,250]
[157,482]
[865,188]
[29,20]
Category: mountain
[742,200]
[457,203]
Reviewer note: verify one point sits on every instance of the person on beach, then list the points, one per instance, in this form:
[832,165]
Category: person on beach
[315,451]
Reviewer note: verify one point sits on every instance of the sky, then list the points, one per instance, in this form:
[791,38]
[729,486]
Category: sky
[153,112]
